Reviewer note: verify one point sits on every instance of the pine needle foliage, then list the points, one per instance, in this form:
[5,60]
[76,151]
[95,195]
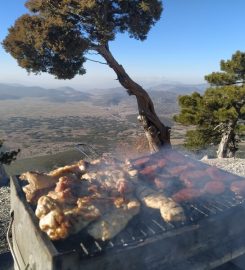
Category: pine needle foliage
[219,109]
[55,35]
[6,157]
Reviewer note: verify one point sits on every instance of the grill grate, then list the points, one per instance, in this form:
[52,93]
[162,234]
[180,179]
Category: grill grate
[148,224]
[141,228]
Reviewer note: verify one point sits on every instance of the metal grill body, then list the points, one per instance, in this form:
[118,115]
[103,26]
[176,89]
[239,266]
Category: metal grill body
[213,234]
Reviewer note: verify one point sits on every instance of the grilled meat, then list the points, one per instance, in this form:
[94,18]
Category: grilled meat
[176,170]
[32,194]
[60,223]
[238,187]
[46,205]
[194,178]
[169,209]
[186,194]
[59,220]
[100,195]
[167,184]
[114,221]
[217,174]
[151,169]
[140,161]
[77,169]
[214,187]
[160,184]
[39,180]
[68,187]
[192,174]
[41,183]
[74,202]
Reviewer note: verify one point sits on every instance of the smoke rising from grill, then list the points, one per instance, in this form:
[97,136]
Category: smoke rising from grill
[183,205]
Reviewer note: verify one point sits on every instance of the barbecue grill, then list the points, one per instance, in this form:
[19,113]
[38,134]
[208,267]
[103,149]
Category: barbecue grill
[213,234]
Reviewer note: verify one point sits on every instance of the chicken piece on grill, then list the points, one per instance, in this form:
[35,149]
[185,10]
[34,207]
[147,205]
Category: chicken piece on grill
[114,221]
[78,168]
[46,205]
[169,209]
[68,188]
[33,195]
[59,224]
[74,204]
[41,183]
[112,179]
[39,180]
[42,180]
[59,220]
[115,183]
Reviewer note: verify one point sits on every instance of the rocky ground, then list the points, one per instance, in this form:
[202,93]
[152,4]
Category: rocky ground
[4,217]
[236,166]
[233,165]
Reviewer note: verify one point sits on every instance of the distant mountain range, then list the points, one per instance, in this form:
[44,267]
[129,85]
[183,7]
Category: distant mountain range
[164,93]
[64,94]
[180,88]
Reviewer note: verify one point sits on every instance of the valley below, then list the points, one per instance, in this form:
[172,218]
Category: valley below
[50,128]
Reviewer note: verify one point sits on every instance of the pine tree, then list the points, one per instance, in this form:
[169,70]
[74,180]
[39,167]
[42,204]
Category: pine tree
[217,113]
[57,36]
[6,157]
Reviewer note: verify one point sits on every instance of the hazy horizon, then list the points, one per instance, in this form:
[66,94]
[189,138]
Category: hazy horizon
[88,89]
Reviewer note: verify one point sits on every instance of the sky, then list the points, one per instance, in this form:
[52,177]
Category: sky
[187,43]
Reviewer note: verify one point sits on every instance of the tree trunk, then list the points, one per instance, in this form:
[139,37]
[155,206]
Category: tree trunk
[224,150]
[158,135]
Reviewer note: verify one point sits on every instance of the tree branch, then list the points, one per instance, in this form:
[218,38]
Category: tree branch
[95,61]
[232,83]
